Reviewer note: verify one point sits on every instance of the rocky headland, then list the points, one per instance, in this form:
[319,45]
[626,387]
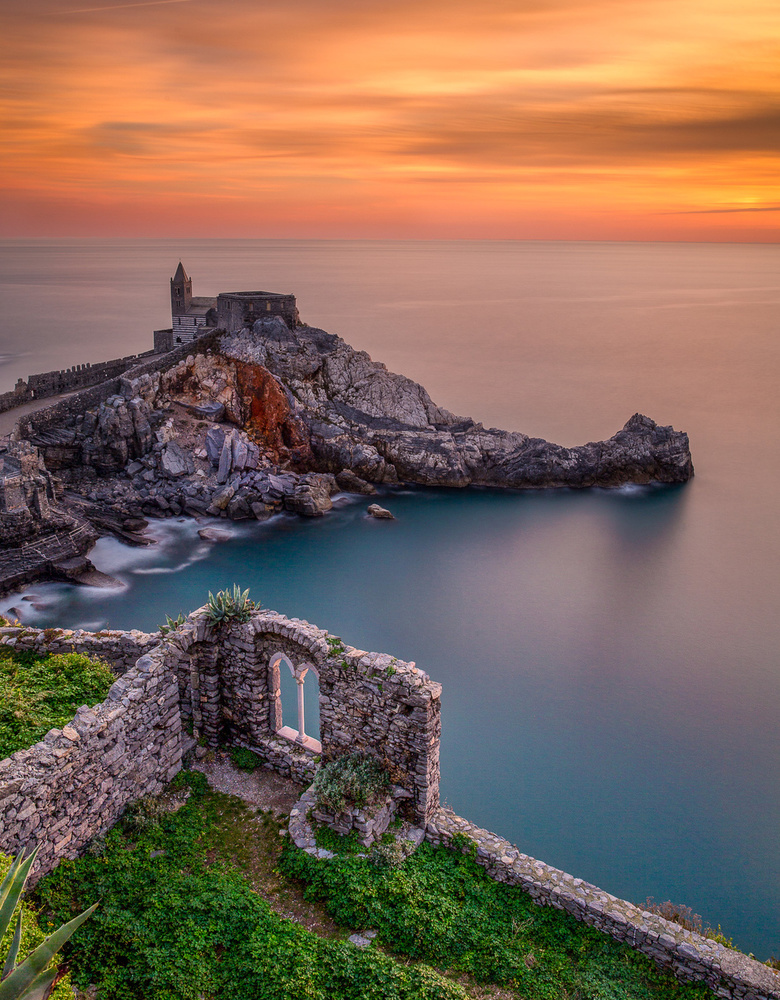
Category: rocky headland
[247,424]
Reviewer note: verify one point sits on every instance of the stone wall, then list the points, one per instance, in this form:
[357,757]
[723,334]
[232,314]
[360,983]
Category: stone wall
[52,417]
[691,957]
[76,783]
[120,650]
[229,684]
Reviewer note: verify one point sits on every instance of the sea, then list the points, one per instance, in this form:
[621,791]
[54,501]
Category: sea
[609,658]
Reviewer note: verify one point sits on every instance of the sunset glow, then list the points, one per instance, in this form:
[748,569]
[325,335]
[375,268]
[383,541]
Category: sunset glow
[543,119]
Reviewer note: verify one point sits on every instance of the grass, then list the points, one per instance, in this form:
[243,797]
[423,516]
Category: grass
[194,906]
[41,692]
[180,919]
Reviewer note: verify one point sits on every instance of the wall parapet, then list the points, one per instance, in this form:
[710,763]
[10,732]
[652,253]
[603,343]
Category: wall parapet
[120,650]
[690,956]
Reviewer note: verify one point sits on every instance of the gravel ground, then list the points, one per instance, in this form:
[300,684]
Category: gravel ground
[262,788]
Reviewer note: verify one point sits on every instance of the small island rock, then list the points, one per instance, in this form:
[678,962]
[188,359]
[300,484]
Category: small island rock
[376,511]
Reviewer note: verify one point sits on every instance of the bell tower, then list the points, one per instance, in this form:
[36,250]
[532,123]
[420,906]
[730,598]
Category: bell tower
[181,292]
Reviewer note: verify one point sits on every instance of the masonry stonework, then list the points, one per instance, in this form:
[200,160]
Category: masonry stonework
[222,683]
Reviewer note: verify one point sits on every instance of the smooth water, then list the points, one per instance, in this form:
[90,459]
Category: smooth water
[609,658]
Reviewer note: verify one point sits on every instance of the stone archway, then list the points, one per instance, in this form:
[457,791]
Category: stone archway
[280,665]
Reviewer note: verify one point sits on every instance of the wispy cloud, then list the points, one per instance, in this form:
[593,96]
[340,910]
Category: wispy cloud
[552,113]
[118,6]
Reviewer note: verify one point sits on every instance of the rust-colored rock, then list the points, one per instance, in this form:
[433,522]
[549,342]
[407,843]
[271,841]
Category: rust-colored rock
[268,417]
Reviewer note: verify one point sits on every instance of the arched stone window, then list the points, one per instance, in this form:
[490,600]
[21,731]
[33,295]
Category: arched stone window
[280,667]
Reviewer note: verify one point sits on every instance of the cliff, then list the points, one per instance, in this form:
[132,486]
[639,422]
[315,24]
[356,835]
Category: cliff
[252,422]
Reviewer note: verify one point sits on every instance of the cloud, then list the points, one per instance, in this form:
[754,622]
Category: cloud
[668,105]
[118,6]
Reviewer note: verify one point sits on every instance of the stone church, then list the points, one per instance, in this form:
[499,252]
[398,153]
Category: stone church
[192,316]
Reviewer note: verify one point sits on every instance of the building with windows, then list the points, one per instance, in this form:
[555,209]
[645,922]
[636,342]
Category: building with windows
[192,316]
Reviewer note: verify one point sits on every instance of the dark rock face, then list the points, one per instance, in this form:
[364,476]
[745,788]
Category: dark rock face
[385,428]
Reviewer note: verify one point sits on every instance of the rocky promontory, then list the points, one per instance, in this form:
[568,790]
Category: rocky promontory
[271,419]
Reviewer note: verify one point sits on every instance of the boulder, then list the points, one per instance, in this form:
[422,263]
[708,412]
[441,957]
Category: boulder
[215,438]
[214,535]
[311,496]
[350,483]
[175,462]
[374,510]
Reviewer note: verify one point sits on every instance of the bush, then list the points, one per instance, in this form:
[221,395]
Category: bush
[352,781]
[39,693]
[246,760]
[229,606]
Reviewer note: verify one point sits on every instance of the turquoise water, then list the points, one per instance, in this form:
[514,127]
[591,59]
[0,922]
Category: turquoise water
[609,658]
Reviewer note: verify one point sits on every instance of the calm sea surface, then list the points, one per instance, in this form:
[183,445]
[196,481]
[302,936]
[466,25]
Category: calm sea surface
[609,658]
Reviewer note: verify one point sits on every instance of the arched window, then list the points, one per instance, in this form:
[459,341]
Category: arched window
[298,699]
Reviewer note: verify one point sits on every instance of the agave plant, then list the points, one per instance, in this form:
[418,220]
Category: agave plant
[172,623]
[32,979]
[229,605]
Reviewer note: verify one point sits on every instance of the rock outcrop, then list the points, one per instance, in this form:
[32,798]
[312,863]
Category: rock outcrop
[385,428]
[268,420]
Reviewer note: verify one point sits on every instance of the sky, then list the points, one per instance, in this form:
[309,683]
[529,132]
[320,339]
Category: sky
[497,119]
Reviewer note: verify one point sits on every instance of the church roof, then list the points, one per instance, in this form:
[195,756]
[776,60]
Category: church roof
[181,274]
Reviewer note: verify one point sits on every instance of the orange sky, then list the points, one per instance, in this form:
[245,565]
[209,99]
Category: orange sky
[522,119]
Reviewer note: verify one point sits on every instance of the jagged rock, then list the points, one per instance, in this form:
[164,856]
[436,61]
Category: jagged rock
[385,428]
[311,496]
[261,511]
[376,511]
[240,452]
[350,483]
[174,461]
[215,439]
[221,498]
[238,508]
[225,460]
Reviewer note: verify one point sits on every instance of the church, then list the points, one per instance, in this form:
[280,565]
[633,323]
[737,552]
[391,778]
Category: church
[192,316]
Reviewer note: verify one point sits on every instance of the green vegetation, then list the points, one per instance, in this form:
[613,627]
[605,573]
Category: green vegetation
[178,922]
[440,907]
[246,760]
[38,693]
[31,978]
[181,918]
[351,781]
[171,624]
[229,606]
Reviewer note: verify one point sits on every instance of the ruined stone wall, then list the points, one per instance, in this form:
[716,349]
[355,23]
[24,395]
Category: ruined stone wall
[229,686]
[80,376]
[76,783]
[690,956]
[120,650]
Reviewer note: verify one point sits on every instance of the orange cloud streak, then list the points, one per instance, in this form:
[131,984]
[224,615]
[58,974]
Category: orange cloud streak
[557,119]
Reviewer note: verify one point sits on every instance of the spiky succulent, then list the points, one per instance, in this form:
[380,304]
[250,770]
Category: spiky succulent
[31,979]
[229,606]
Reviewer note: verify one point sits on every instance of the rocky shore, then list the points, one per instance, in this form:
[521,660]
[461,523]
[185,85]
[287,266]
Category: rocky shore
[268,419]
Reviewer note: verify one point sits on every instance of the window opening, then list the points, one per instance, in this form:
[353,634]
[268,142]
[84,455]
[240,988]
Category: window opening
[299,694]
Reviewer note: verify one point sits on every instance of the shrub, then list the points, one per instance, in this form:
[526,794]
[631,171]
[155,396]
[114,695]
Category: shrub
[246,760]
[352,781]
[171,927]
[38,693]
